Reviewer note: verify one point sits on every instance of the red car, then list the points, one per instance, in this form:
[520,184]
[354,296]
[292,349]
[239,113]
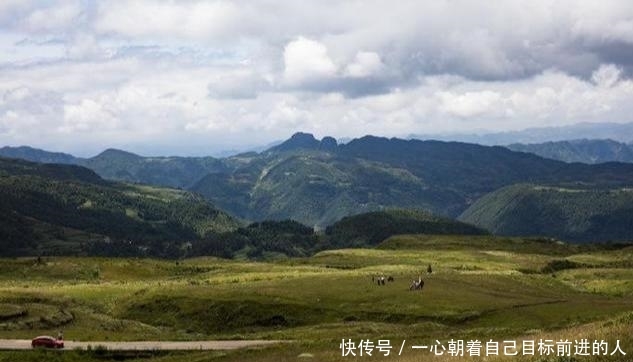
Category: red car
[47,342]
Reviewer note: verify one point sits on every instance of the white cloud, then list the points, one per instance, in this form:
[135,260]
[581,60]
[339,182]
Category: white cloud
[365,64]
[12,9]
[286,114]
[170,19]
[87,116]
[139,73]
[240,83]
[306,61]
[606,76]
[469,104]
[15,95]
[606,21]
[57,17]
[86,46]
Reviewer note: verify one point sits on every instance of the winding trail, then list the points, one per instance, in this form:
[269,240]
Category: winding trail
[147,345]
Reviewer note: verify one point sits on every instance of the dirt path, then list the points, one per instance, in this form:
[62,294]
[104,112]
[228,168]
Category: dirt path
[145,345]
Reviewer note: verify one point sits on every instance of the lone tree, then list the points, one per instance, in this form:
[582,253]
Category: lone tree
[429,270]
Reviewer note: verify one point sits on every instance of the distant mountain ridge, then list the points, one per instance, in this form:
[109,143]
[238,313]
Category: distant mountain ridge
[36,155]
[113,164]
[305,141]
[179,172]
[584,150]
[621,132]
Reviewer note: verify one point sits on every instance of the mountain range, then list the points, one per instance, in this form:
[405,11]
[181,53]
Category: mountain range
[112,164]
[318,182]
[621,132]
[584,150]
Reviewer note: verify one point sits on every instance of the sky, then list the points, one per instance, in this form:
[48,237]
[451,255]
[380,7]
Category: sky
[198,77]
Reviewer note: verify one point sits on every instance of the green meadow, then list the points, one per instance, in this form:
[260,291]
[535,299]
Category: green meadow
[481,288]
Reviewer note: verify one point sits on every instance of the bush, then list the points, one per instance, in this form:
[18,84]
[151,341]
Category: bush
[559,264]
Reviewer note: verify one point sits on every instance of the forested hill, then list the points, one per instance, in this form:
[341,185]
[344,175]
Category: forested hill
[15,167]
[572,214]
[65,209]
[289,238]
[179,172]
[374,227]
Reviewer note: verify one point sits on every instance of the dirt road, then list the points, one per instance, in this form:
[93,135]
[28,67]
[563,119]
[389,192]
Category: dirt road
[145,345]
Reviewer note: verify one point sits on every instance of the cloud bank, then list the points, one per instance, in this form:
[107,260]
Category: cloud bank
[197,77]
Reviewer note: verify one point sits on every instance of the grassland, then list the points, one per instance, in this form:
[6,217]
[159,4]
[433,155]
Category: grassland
[481,287]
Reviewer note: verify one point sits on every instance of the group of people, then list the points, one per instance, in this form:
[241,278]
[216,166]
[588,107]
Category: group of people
[381,279]
[415,284]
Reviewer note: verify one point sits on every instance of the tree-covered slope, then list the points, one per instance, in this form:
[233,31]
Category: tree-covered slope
[260,240]
[573,214]
[180,172]
[318,188]
[290,238]
[585,151]
[36,155]
[37,201]
[473,169]
[468,168]
[14,167]
[369,229]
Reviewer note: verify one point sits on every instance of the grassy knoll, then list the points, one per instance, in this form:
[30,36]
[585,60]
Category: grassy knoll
[481,287]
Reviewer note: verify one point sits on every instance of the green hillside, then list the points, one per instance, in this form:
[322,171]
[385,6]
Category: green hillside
[260,240]
[465,243]
[374,227]
[574,214]
[272,239]
[179,172]
[318,188]
[36,155]
[14,167]
[67,209]
[481,288]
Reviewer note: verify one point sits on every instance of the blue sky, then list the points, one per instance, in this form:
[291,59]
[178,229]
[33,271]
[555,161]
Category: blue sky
[197,77]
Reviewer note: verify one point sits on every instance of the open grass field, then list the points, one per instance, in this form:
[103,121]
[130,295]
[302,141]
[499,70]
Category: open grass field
[481,288]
